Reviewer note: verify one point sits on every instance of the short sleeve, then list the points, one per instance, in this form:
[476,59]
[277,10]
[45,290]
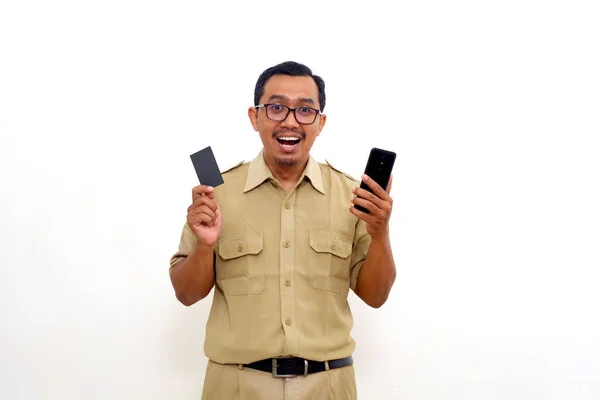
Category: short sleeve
[360,248]
[186,244]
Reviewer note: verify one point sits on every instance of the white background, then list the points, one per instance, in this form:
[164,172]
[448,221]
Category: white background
[492,107]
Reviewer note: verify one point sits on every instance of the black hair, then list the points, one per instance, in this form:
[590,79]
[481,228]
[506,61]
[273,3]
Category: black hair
[290,68]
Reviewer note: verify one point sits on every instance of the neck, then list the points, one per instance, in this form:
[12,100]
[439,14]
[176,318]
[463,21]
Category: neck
[287,175]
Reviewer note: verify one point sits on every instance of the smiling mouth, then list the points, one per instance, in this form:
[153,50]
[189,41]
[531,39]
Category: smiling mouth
[288,141]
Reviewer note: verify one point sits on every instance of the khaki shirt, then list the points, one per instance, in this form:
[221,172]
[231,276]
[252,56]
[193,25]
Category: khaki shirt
[284,265]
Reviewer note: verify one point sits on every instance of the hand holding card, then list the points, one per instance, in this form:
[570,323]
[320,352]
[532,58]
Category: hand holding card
[204,217]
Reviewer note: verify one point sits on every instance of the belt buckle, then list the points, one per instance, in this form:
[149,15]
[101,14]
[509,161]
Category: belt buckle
[277,375]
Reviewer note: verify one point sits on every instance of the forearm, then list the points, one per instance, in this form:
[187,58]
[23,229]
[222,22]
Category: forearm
[193,277]
[377,274]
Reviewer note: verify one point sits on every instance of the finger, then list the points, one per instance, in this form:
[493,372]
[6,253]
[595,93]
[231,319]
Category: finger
[205,200]
[378,190]
[389,186]
[197,214]
[375,211]
[210,194]
[201,190]
[365,194]
[203,209]
[368,218]
[200,219]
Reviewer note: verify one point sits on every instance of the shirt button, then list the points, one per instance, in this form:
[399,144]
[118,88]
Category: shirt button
[288,322]
[332,246]
[286,244]
[288,283]
[240,248]
[287,206]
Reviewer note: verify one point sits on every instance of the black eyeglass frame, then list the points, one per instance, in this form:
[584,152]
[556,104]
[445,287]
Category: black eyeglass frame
[265,105]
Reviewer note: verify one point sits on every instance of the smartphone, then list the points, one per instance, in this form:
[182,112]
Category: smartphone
[379,168]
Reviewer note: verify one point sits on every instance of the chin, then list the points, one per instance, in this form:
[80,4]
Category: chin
[287,161]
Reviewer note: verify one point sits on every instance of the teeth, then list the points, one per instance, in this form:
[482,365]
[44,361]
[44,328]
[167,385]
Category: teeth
[288,141]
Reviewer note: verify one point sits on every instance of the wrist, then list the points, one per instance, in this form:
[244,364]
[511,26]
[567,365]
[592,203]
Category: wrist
[202,249]
[381,239]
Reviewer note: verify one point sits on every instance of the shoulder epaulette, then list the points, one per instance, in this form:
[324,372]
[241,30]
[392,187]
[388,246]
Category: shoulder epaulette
[342,172]
[234,167]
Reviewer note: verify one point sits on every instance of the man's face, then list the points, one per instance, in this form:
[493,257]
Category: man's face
[290,91]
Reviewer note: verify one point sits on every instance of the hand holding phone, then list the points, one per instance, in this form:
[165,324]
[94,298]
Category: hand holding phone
[379,168]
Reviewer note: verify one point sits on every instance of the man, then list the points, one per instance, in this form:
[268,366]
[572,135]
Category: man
[282,244]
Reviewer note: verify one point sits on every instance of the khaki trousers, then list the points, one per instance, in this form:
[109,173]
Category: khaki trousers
[230,382]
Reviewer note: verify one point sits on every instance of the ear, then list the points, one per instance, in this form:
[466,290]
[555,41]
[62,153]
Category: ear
[253,115]
[322,121]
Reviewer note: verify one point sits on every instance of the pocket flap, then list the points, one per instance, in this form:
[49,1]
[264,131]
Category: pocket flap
[331,242]
[239,245]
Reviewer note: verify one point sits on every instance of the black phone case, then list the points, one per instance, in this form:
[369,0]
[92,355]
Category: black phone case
[379,168]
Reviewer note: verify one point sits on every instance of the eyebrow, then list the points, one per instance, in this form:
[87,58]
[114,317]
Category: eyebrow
[301,100]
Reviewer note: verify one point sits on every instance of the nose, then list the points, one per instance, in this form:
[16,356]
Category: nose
[290,121]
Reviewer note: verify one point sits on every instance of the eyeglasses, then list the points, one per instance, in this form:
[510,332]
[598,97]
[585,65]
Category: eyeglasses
[279,112]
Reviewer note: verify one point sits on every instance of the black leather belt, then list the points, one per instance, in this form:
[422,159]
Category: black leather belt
[291,367]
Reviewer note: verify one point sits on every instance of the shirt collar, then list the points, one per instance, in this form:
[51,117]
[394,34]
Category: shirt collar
[258,172]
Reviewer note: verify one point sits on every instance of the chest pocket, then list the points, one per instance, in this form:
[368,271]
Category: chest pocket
[329,260]
[240,266]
